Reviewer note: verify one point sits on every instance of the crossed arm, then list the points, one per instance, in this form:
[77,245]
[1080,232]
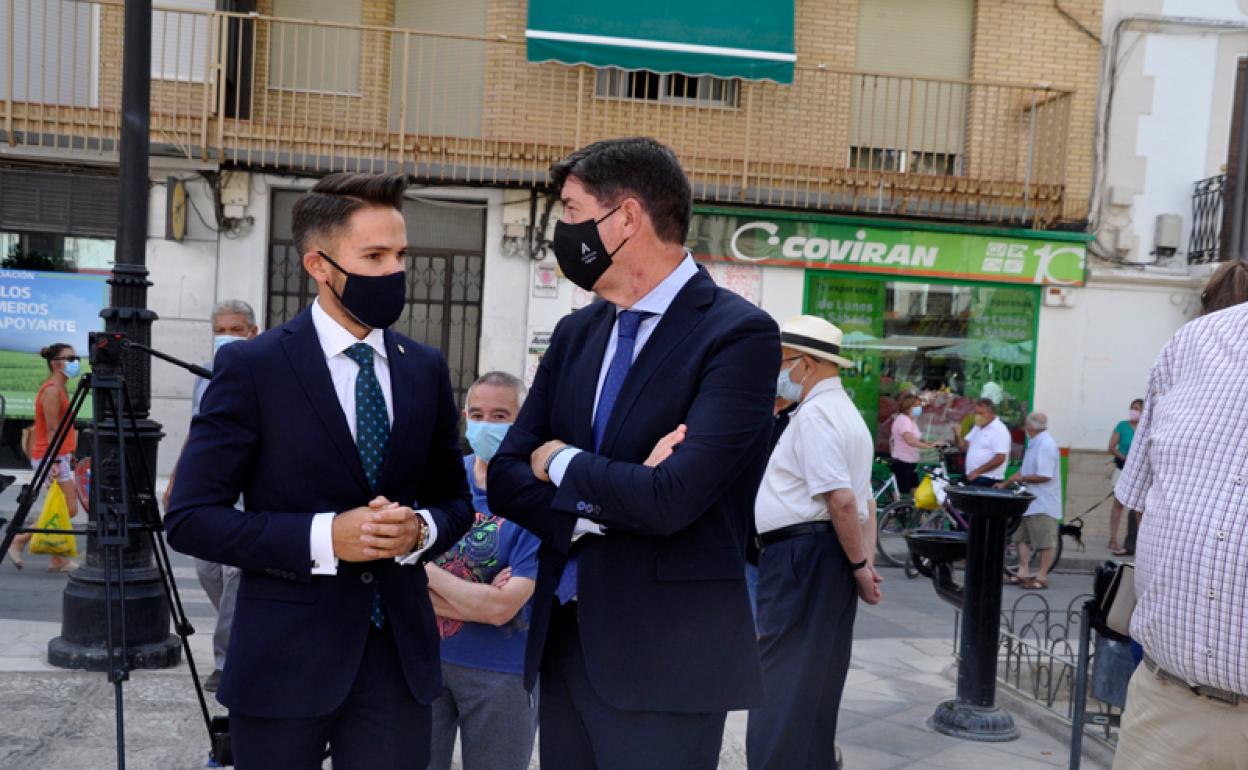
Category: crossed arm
[496,603]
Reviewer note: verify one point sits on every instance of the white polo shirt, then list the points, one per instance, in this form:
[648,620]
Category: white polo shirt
[1043,458]
[826,447]
[985,443]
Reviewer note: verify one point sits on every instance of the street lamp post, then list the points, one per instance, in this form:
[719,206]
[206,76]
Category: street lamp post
[83,643]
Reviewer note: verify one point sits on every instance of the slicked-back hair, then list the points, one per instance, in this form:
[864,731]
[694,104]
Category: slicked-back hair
[640,167]
[327,208]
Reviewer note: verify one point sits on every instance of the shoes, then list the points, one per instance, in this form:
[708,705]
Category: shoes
[213,681]
[68,566]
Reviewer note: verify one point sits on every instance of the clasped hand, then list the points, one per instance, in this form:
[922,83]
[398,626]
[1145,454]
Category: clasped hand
[379,530]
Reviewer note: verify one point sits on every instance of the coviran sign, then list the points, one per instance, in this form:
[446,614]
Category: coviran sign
[859,247]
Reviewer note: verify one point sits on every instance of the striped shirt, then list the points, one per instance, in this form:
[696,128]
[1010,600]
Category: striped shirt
[1188,472]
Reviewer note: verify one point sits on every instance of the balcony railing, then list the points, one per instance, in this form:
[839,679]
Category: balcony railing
[1205,245]
[307,96]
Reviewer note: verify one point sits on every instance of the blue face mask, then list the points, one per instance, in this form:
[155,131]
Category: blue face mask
[786,388]
[486,437]
[221,340]
[915,411]
[72,368]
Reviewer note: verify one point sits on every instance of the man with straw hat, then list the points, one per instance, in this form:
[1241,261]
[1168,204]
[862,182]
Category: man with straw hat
[813,512]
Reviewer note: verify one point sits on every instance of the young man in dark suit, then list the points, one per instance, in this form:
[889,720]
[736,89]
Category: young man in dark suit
[635,460]
[333,428]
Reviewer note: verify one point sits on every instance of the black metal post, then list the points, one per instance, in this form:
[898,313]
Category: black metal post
[1234,243]
[974,714]
[1081,686]
[84,639]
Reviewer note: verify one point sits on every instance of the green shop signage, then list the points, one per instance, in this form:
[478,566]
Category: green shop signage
[832,243]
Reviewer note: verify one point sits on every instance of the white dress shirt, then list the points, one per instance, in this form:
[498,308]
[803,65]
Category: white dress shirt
[656,302]
[826,447]
[343,371]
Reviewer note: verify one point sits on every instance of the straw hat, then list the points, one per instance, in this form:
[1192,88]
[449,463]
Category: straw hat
[815,337]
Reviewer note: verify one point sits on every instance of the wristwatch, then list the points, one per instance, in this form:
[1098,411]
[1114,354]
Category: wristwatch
[858,566]
[422,534]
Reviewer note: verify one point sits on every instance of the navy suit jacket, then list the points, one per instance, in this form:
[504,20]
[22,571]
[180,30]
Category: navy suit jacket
[271,427]
[664,615]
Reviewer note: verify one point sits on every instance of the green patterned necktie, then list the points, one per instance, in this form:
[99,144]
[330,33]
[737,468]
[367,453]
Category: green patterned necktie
[372,434]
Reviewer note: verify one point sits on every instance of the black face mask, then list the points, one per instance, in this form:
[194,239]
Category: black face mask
[582,256]
[376,301]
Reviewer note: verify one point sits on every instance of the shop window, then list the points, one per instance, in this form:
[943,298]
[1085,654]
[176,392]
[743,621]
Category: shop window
[675,88]
[951,343]
[55,253]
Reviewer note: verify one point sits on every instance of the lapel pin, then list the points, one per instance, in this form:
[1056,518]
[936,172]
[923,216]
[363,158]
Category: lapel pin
[402,352]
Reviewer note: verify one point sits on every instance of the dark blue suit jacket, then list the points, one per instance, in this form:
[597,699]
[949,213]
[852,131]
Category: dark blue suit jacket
[664,616]
[271,427]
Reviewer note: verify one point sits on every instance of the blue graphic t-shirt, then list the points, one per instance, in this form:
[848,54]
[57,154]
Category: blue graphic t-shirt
[491,545]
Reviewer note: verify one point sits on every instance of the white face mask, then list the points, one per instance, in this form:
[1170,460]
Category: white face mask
[1134,415]
[221,340]
[786,388]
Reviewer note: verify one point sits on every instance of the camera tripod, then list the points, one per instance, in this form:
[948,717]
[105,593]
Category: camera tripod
[122,502]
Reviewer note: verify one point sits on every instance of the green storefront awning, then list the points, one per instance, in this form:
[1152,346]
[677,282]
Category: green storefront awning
[751,39]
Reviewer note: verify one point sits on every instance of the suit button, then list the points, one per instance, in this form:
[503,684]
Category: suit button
[366,578]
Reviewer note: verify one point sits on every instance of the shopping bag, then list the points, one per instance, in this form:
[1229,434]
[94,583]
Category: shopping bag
[925,495]
[55,515]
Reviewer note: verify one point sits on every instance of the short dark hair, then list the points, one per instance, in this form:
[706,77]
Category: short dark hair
[635,166]
[1139,401]
[987,403]
[327,208]
[1227,287]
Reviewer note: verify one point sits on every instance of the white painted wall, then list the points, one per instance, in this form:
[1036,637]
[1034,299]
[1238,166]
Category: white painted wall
[1093,359]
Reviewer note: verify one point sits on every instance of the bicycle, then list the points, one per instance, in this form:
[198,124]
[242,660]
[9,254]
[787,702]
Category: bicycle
[887,493]
[907,515]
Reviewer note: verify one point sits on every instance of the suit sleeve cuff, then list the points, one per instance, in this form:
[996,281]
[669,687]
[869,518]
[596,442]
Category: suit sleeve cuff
[414,556]
[559,465]
[322,545]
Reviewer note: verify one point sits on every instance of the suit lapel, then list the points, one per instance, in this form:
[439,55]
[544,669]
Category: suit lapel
[681,318]
[303,351]
[587,368]
[402,393]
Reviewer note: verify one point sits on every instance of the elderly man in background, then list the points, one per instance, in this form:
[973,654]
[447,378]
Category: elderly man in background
[1187,706]
[232,321]
[1041,472]
[987,446]
[816,560]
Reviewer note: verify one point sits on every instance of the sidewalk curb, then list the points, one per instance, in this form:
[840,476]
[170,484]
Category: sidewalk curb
[1096,752]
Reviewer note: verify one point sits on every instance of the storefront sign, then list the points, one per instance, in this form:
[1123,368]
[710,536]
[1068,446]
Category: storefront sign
[746,280]
[841,245]
[38,309]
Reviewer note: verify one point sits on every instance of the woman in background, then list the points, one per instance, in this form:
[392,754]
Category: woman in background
[905,443]
[51,404]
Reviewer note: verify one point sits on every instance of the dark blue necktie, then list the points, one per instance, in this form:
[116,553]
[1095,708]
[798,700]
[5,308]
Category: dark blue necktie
[372,434]
[627,324]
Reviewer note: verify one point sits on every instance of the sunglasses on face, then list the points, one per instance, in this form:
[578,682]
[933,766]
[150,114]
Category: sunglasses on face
[66,358]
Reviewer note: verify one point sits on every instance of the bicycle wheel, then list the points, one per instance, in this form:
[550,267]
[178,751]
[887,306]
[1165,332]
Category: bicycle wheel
[894,522]
[1033,564]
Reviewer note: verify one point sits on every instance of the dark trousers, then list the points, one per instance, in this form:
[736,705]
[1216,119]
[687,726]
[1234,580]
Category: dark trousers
[379,725]
[1133,530]
[984,481]
[807,601]
[907,477]
[581,731]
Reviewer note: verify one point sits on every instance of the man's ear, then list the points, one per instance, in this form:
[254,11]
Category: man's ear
[316,266]
[633,215]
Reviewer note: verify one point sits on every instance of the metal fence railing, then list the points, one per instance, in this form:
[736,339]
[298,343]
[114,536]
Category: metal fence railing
[1205,245]
[316,96]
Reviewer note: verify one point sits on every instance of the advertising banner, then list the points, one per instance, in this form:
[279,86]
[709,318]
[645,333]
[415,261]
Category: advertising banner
[38,309]
[888,248]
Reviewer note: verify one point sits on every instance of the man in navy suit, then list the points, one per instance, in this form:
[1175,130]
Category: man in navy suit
[333,428]
[635,460]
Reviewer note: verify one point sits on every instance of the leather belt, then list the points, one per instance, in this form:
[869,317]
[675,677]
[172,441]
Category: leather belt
[1205,691]
[794,530]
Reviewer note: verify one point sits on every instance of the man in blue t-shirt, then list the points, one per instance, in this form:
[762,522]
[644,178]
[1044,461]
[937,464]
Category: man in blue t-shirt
[480,591]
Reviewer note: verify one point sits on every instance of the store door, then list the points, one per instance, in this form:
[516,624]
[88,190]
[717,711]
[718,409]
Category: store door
[445,267]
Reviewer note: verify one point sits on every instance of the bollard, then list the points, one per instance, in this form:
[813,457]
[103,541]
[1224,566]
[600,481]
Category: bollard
[973,714]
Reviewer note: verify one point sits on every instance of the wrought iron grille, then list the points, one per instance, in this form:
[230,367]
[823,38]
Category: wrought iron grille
[1207,197]
[445,268]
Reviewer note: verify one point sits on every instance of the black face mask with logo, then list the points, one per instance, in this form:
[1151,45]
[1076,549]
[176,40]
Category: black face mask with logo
[376,301]
[581,254]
